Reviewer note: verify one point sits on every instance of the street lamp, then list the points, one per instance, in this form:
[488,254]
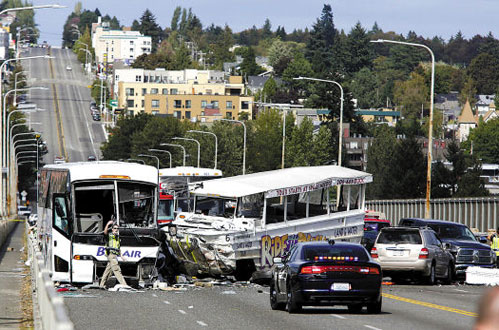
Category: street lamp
[188,139]
[430,126]
[340,134]
[164,151]
[175,145]
[157,176]
[244,140]
[216,142]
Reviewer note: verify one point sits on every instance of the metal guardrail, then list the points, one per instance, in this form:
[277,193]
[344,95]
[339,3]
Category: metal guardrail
[52,310]
[481,212]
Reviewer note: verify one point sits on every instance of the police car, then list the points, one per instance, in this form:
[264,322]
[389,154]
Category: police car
[326,273]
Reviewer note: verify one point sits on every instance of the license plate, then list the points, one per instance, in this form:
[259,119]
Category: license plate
[398,253]
[340,287]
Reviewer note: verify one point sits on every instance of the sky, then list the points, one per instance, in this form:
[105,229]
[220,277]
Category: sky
[429,18]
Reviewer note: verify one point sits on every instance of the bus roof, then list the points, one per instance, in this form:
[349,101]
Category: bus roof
[107,170]
[282,182]
[190,171]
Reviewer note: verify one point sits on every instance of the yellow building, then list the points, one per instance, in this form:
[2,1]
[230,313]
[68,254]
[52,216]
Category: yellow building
[197,100]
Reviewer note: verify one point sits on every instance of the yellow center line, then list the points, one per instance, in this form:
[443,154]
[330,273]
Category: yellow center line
[429,305]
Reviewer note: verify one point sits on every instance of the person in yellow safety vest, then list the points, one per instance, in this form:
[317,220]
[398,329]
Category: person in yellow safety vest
[495,245]
[112,252]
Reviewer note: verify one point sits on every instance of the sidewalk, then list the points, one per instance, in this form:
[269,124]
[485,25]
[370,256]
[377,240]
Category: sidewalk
[11,277]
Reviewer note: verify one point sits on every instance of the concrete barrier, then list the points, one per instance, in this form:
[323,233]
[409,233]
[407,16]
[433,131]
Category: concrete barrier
[5,229]
[51,306]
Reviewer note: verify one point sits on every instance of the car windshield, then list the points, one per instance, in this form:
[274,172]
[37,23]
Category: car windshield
[324,252]
[399,237]
[453,231]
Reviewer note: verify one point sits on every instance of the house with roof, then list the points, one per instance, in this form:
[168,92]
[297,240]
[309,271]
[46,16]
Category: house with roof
[484,104]
[449,105]
[379,116]
[466,122]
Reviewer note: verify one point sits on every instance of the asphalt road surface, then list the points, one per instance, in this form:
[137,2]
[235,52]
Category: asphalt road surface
[66,123]
[247,307]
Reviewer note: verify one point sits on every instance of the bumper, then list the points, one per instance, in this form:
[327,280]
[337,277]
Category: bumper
[461,268]
[419,266]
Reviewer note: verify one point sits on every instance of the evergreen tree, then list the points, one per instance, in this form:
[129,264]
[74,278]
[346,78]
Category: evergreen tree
[149,27]
[175,18]
[408,170]
[320,44]
[380,157]
[359,50]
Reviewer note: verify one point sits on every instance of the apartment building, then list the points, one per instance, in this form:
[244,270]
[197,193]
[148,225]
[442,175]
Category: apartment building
[118,45]
[201,99]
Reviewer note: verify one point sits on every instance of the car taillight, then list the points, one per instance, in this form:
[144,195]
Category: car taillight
[369,270]
[374,253]
[163,222]
[424,253]
[313,269]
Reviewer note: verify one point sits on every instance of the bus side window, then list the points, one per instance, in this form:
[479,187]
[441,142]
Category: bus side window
[61,214]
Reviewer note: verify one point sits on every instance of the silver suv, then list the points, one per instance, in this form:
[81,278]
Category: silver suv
[413,251]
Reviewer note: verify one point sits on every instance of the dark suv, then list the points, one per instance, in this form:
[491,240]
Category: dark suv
[463,244]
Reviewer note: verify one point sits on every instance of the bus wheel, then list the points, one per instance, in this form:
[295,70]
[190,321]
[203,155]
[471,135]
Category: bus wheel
[244,269]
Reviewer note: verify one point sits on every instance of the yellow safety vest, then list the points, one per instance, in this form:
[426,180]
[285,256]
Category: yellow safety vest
[113,244]
[495,245]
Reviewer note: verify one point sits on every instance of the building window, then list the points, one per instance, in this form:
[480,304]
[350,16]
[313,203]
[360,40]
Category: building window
[177,104]
[155,112]
[129,103]
[154,91]
[142,103]
[131,42]
[354,145]
[174,91]
[208,92]
[188,104]
[204,104]
[144,91]
[155,103]
[129,91]
[228,104]
[164,91]
[177,114]
[214,104]
[245,105]
[187,115]
[228,115]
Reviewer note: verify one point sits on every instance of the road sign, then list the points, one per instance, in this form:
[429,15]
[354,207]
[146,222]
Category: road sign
[113,103]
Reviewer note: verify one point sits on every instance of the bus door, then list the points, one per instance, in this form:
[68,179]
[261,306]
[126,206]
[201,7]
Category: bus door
[61,238]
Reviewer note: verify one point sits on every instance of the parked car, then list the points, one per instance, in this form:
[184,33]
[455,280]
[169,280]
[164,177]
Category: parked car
[326,273]
[464,246]
[96,117]
[23,211]
[91,158]
[69,68]
[417,252]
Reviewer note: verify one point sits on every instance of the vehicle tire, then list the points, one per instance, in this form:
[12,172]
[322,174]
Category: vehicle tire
[292,306]
[450,274]
[355,309]
[274,304]
[430,279]
[244,270]
[375,307]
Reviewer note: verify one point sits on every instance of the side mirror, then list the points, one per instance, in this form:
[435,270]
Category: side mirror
[277,260]
[482,239]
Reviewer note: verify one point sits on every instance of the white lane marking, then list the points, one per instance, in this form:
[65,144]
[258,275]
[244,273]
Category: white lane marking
[182,311]
[461,290]
[338,316]
[154,295]
[201,323]
[166,302]
[371,327]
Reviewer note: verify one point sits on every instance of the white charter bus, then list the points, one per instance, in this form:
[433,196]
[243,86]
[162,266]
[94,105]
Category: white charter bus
[76,201]
[174,189]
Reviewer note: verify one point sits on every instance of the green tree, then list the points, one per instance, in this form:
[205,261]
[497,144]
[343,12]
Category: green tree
[176,18]
[320,44]
[322,152]
[468,93]
[182,58]
[249,66]
[220,49]
[358,49]
[299,149]
[269,89]
[96,91]
[411,95]
[470,184]
[149,27]
[485,140]
[484,70]
[408,170]
[380,157]
[365,89]
[230,147]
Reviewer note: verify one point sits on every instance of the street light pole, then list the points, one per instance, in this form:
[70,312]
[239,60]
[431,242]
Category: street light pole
[430,126]
[216,142]
[175,145]
[244,140]
[164,151]
[188,139]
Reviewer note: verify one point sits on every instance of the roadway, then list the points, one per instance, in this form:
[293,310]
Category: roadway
[66,123]
[247,307]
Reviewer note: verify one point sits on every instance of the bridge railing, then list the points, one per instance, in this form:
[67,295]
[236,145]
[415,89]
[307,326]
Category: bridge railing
[479,212]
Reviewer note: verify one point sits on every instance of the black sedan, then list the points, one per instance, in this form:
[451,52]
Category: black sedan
[326,273]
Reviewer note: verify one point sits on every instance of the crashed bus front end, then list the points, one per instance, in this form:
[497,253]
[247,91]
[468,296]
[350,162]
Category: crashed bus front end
[239,231]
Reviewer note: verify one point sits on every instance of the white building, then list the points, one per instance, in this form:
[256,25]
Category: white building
[466,122]
[119,45]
